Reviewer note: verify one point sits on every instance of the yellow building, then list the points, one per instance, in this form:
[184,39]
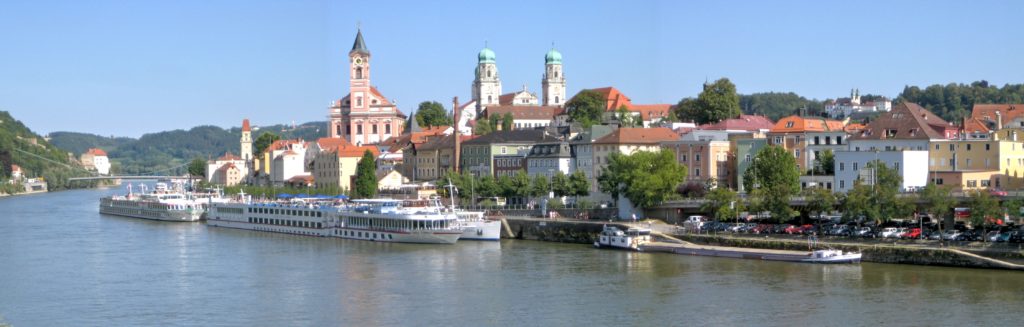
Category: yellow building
[996,162]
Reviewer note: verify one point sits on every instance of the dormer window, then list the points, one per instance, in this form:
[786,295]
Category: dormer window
[789,124]
[890,133]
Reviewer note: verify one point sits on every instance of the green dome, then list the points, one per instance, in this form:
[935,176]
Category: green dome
[553,57]
[486,55]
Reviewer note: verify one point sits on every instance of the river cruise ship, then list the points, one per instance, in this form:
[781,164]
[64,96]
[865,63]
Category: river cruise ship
[160,204]
[381,220]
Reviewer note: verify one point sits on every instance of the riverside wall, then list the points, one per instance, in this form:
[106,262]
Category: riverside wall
[585,232]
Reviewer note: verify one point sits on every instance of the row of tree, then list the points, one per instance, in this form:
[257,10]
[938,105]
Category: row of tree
[955,101]
[519,185]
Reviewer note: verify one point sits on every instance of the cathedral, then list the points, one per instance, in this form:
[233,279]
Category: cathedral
[487,92]
[364,116]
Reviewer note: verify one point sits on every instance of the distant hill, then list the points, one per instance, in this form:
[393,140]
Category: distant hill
[158,152]
[43,159]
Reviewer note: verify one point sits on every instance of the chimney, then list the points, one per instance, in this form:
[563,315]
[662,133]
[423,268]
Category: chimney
[999,121]
[458,135]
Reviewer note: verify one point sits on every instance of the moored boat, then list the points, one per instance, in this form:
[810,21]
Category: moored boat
[162,204]
[630,239]
[832,256]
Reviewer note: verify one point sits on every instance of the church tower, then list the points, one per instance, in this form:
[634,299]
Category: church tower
[246,142]
[365,116]
[553,82]
[487,85]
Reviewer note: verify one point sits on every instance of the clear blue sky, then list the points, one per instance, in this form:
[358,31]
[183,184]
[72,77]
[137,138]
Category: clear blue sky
[130,67]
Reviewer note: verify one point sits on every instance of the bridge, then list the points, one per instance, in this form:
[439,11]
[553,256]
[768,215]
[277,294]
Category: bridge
[126,177]
[97,176]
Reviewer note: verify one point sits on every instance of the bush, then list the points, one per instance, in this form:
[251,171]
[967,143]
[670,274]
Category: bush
[556,203]
[584,204]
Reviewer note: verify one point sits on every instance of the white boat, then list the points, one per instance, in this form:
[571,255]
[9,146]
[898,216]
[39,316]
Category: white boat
[381,220]
[476,227]
[161,204]
[630,239]
[832,256]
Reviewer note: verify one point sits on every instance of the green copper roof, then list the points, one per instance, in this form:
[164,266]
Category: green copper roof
[359,46]
[486,56]
[553,57]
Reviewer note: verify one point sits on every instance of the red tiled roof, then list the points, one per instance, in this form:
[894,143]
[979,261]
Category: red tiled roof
[228,156]
[245,125]
[797,124]
[227,167]
[613,98]
[327,143]
[507,98]
[97,152]
[649,112]
[352,151]
[987,112]
[638,135]
[852,128]
[973,125]
[751,123]
[905,121]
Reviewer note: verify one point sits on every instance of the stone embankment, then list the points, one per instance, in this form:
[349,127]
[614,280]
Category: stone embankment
[586,231]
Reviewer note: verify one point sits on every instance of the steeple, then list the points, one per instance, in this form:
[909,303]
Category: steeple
[359,46]
[413,125]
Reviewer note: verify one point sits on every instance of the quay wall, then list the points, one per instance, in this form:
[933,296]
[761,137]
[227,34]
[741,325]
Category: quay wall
[879,253]
[549,230]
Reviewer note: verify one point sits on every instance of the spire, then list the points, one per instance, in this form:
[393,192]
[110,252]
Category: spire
[245,125]
[359,46]
[413,125]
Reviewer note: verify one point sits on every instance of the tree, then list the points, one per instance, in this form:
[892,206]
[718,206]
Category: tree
[825,163]
[939,201]
[722,203]
[197,167]
[586,108]
[1012,208]
[776,105]
[264,141]
[820,200]
[718,101]
[540,186]
[884,191]
[560,184]
[431,113]
[983,208]
[488,187]
[858,204]
[625,117]
[506,121]
[366,177]
[645,178]
[521,184]
[579,185]
[774,171]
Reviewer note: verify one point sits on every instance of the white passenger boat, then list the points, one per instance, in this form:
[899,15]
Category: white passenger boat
[832,256]
[476,227]
[161,204]
[630,239]
[381,220]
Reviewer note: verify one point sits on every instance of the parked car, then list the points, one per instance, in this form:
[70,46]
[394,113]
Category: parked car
[996,192]
[735,228]
[951,235]
[890,232]
[792,229]
[913,233]
[865,232]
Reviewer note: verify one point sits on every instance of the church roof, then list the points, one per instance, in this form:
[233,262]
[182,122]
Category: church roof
[359,46]
[245,125]
[97,152]
[638,135]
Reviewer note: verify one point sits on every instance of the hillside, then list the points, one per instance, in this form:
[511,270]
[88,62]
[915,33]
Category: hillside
[44,159]
[158,152]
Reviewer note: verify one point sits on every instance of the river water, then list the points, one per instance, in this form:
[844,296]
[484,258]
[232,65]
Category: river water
[62,263]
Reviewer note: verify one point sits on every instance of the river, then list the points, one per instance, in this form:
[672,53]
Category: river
[64,264]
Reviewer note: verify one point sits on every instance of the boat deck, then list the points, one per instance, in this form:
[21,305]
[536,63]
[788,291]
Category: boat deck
[724,251]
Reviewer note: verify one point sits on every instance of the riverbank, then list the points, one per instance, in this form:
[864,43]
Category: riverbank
[585,232]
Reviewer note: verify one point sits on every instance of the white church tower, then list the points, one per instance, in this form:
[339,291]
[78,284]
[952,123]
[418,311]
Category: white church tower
[553,82]
[487,85]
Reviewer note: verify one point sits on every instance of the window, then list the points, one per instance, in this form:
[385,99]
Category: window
[696,157]
[683,158]
[842,183]
[936,147]
[789,124]
[387,128]
[828,140]
[987,146]
[938,181]
[796,153]
[952,147]
[968,147]
[778,140]
[896,165]
[985,183]
[972,183]
[696,172]
[556,97]
[747,158]
[842,166]
[839,140]
[359,129]
[359,101]
[359,73]
[373,129]
[338,129]
[816,141]
[854,166]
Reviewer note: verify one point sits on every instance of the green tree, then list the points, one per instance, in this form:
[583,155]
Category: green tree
[488,186]
[366,177]
[431,113]
[825,163]
[540,186]
[521,184]
[586,108]
[939,202]
[560,184]
[774,171]
[197,167]
[718,101]
[884,192]
[625,117]
[483,127]
[983,208]
[506,121]
[776,105]
[579,184]
[820,200]
[645,178]
[1012,208]
[722,203]
[858,203]
[264,141]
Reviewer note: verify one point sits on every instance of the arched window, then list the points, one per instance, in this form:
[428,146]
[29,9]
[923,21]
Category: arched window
[556,99]
[556,74]
[387,128]
[359,72]
[338,129]
[359,101]
[488,99]
[488,73]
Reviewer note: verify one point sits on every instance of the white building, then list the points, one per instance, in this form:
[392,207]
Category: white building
[549,158]
[96,159]
[911,165]
[844,107]
[216,170]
